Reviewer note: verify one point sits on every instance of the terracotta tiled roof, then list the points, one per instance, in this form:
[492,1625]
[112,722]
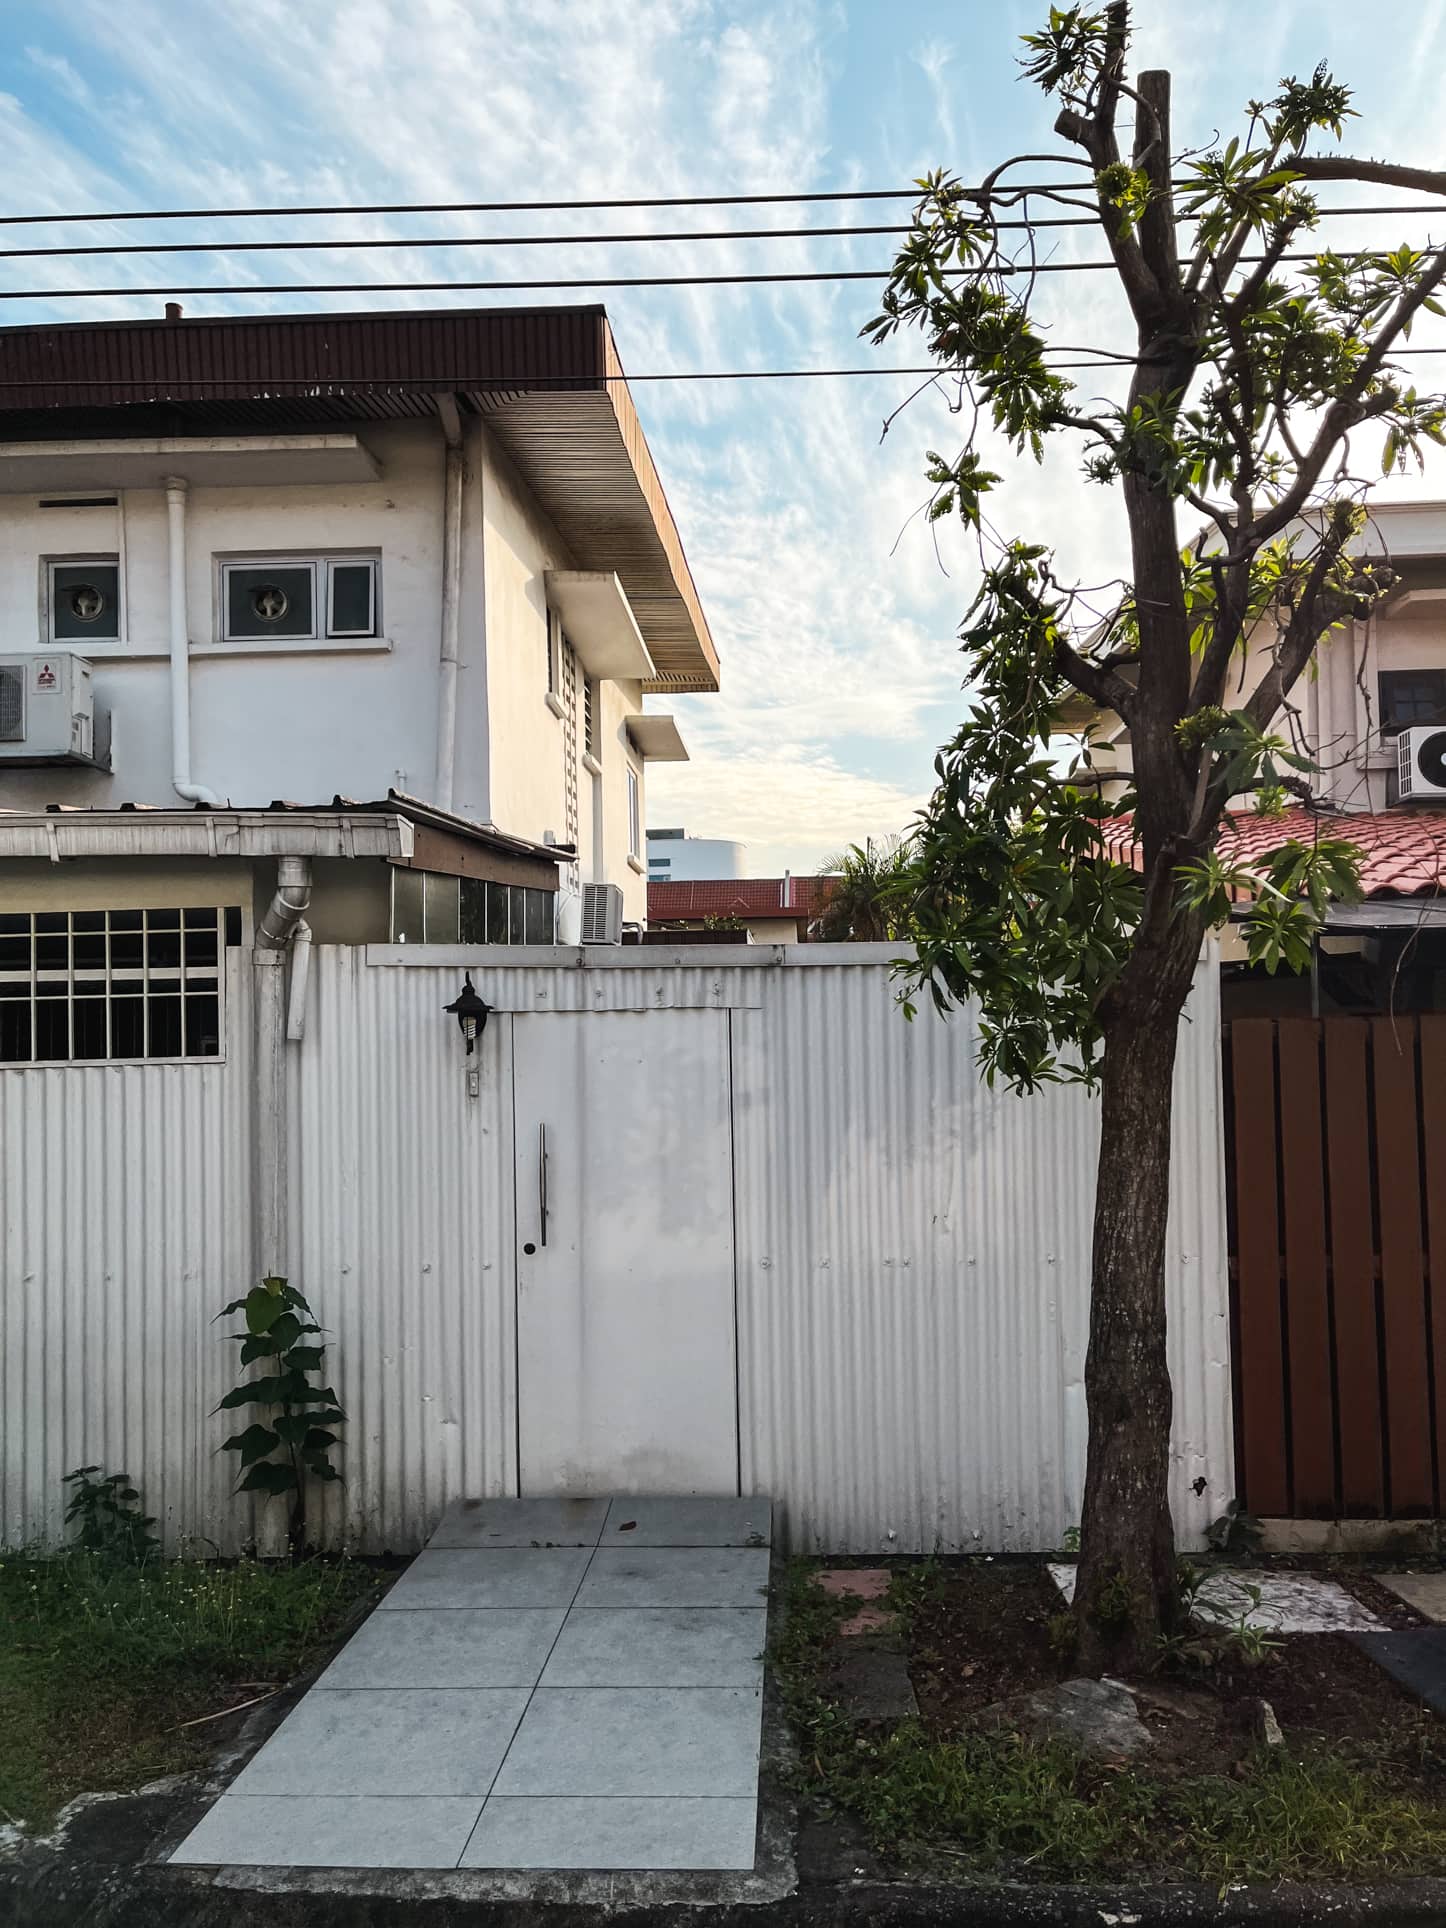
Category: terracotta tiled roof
[1405,850]
[737,897]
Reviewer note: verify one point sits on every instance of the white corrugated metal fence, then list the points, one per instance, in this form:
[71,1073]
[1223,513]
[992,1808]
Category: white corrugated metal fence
[911,1253]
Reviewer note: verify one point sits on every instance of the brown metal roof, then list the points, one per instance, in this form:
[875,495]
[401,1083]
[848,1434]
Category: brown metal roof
[547,381]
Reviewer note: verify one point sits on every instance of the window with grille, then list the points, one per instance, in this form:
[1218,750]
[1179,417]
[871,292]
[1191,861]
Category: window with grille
[1411,696]
[87,986]
[635,814]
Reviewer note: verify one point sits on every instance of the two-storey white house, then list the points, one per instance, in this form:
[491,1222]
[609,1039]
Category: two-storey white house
[422,556]
[1371,715]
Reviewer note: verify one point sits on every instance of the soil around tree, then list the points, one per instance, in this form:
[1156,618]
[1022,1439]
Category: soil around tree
[985,1634]
[1357,1789]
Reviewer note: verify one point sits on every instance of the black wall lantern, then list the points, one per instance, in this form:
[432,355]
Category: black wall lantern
[471,1012]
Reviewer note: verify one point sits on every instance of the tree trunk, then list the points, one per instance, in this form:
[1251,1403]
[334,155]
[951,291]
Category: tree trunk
[1125,1591]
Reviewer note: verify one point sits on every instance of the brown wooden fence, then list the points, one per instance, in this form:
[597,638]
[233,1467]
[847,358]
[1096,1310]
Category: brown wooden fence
[1336,1162]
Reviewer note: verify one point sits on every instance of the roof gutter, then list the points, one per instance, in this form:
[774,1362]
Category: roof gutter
[58,835]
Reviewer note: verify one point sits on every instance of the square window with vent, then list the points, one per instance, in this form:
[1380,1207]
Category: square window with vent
[299,599]
[82,600]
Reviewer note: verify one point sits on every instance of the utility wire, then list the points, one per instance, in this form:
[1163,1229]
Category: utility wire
[317,385]
[513,207]
[343,243]
[1009,268]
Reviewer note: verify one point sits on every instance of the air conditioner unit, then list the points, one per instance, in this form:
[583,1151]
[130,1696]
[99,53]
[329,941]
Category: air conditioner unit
[602,914]
[48,713]
[1421,763]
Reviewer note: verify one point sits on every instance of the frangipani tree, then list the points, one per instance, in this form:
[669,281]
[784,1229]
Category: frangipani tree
[1260,372]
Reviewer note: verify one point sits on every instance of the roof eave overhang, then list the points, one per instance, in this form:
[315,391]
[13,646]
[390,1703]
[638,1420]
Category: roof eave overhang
[58,835]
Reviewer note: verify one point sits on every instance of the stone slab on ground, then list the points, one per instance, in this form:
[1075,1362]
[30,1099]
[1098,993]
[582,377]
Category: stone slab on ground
[541,1522]
[616,1831]
[1426,1592]
[873,1684]
[689,1522]
[659,1647]
[1099,1717]
[1287,1602]
[853,1583]
[868,1623]
[1415,1657]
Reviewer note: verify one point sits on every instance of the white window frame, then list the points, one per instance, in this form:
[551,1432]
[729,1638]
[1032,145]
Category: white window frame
[635,815]
[552,695]
[372,564]
[50,564]
[320,564]
[591,697]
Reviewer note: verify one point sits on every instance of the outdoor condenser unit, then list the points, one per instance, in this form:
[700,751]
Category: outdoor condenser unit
[1421,763]
[48,712]
[602,914]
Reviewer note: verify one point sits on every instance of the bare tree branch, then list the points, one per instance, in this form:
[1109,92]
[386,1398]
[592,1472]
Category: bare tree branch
[1343,167]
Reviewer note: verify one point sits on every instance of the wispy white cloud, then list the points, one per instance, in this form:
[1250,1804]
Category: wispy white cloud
[840,653]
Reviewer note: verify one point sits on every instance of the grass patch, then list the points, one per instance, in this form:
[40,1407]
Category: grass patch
[100,1662]
[1004,1805]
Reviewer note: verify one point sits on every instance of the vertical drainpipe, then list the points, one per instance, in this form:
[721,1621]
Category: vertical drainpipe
[180,649]
[451,599]
[283,921]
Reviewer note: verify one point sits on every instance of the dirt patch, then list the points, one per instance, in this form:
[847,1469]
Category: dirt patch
[988,1631]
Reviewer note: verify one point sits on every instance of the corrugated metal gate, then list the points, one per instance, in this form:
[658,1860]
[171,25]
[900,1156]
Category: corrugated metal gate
[1336,1161]
[910,1250]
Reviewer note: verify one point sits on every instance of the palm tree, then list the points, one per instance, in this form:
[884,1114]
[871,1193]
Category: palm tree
[868,902]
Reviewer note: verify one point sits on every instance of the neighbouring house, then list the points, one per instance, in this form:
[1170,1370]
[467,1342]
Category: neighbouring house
[1334,1079]
[674,857]
[742,910]
[412,573]
[1373,717]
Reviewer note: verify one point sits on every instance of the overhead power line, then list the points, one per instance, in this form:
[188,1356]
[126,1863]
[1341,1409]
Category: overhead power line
[348,243]
[1025,269]
[317,385]
[510,207]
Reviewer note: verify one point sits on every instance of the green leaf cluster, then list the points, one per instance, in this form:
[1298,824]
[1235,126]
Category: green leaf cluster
[105,1510]
[294,1439]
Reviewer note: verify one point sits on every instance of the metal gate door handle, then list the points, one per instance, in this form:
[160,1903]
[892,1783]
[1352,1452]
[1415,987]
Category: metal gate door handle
[542,1180]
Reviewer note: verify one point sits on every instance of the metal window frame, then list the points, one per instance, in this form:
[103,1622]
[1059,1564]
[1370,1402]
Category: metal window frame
[1390,727]
[372,565]
[105,974]
[48,566]
[226,564]
[321,563]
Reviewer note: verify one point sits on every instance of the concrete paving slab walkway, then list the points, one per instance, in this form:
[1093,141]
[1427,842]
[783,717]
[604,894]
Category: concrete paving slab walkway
[552,1684]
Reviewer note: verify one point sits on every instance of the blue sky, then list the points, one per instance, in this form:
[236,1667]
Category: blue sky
[834,611]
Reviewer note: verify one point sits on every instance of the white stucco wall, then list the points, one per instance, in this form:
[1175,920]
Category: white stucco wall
[318,720]
[520,544]
[303,724]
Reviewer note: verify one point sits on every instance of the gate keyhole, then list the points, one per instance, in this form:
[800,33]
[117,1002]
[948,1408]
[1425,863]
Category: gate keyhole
[529,1248]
